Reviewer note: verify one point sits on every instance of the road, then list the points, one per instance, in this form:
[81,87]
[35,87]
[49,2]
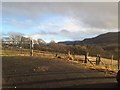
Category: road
[27,72]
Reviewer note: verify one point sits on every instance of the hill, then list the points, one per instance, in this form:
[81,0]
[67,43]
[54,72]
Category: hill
[107,41]
[103,39]
[110,37]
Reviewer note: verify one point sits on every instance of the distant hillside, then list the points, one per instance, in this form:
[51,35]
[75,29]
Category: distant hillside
[108,42]
[103,39]
[110,38]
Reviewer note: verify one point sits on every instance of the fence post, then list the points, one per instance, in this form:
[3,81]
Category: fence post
[86,57]
[31,47]
[111,60]
[118,63]
[69,56]
[98,59]
[21,49]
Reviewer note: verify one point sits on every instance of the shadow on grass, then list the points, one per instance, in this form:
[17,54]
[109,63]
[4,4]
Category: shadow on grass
[47,73]
[96,85]
[62,80]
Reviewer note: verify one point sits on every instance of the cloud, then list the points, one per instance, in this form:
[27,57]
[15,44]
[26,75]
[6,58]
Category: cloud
[64,31]
[62,20]
[71,25]
[98,15]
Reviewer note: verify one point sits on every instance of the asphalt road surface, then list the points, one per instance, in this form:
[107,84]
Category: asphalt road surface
[27,72]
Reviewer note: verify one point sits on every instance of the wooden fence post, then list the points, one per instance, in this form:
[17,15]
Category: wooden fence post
[98,59]
[31,47]
[70,57]
[21,49]
[118,63]
[86,57]
[111,60]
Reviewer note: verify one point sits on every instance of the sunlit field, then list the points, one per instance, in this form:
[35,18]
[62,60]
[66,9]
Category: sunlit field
[105,63]
[47,70]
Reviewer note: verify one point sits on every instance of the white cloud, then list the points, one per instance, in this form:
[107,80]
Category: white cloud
[35,36]
[92,14]
[71,25]
[75,20]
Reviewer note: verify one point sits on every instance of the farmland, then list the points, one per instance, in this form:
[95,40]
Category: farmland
[45,70]
[108,63]
[59,45]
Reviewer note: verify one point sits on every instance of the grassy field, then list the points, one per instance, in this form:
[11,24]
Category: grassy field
[27,71]
[77,58]
[21,69]
[45,69]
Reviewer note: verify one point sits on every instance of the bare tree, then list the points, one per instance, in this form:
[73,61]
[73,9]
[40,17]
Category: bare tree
[15,37]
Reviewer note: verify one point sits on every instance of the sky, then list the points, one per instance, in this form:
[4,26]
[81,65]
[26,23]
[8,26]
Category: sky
[59,21]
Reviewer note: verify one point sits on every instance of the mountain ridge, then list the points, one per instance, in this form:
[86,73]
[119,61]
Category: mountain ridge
[102,39]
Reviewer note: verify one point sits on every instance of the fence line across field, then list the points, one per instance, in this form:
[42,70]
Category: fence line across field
[108,63]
